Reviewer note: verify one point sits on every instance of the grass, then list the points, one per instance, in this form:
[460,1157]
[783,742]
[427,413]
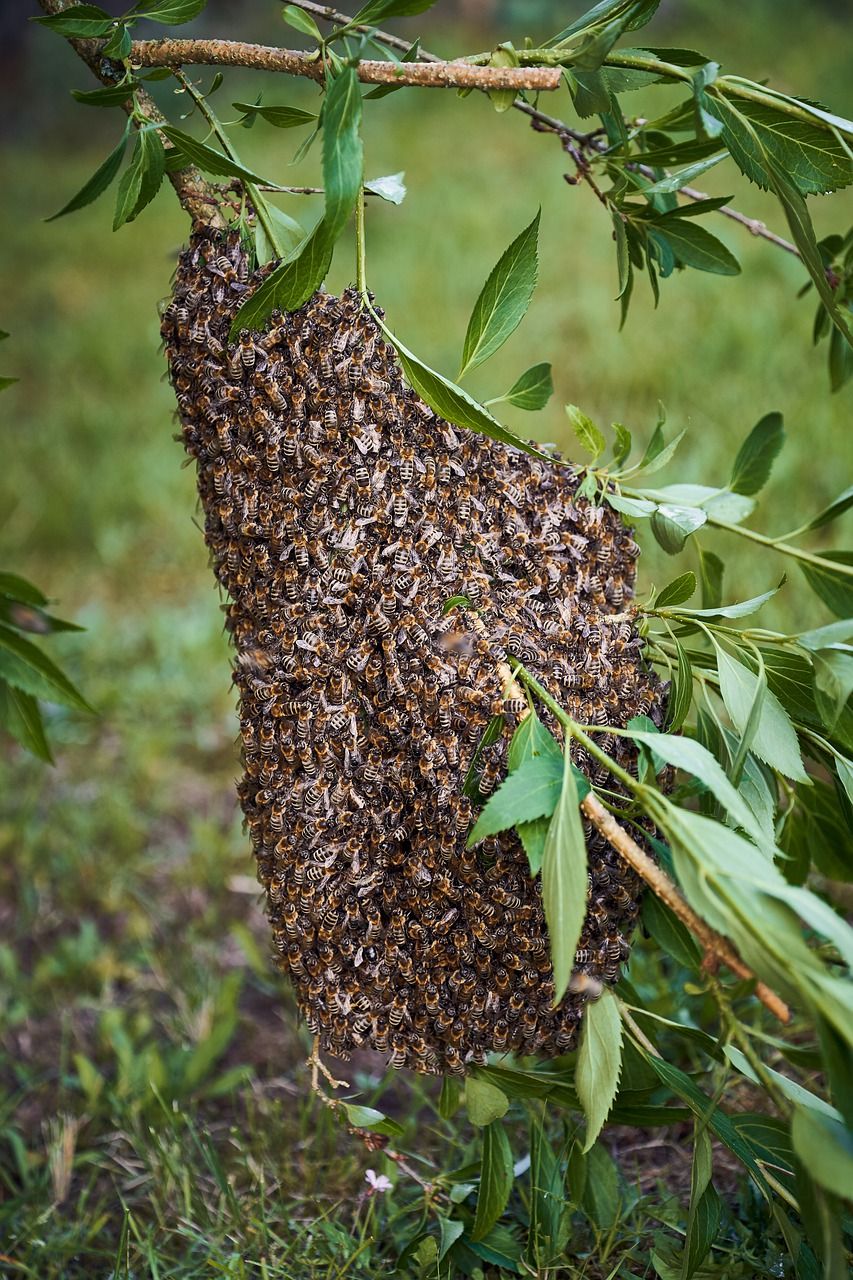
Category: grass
[155,1117]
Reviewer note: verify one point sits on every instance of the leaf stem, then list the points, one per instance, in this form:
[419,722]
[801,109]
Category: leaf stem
[571,726]
[360,245]
[258,202]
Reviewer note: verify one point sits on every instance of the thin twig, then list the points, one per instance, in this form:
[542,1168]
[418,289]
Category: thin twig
[717,949]
[294,62]
[754,225]
[197,196]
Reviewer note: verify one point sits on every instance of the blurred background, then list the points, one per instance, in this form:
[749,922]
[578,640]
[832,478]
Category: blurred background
[132,940]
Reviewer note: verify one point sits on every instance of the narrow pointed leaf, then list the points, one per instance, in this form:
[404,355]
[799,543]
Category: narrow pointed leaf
[756,456]
[564,881]
[452,403]
[281,117]
[504,299]
[343,153]
[99,180]
[599,1063]
[495,1179]
[291,283]
[774,740]
[532,390]
[20,716]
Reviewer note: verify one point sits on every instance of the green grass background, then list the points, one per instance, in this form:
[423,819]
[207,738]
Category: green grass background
[126,916]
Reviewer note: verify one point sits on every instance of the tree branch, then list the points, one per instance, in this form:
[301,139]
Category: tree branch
[430,75]
[197,196]
[549,124]
[717,949]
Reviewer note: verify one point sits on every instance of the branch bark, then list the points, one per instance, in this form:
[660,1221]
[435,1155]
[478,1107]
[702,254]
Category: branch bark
[197,196]
[429,75]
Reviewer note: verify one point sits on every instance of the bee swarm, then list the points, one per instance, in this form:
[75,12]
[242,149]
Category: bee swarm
[341,514]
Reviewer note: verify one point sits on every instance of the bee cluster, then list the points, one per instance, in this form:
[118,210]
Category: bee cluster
[341,514]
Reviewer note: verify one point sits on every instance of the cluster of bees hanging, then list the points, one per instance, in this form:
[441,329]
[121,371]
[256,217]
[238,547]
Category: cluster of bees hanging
[341,515]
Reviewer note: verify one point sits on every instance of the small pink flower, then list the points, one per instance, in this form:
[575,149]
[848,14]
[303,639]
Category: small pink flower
[377,1182]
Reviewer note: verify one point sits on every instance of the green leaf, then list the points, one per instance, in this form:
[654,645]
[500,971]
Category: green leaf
[171,13]
[681,691]
[450,1233]
[503,300]
[99,180]
[740,609]
[110,96]
[675,181]
[637,508]
[376,10]
[301,21]
[20,716]
[533,836]
[531,391]
[530,791]
[368,1118]
[495,1179]
[78,21]
[790,1088]
[141,179]
[588,435]
[27,668]
[677,591]
[547,1197]
[696,247]
[293,281]
[627,15]
[599,1063]
[622,447]
[762,137]
[833,670]
[672,525]
[659,452]
[668,931]
[841,504]
[289,232]
[703,1220]
[826,1148]
[390,187]
[343,153]
[693,758]
[702,1107]
[532,739]
[484,1101]
[820,638]
[844,769]
[564,880]
[755,458]
[119,44]
[209,160]
[775,740]
[803,233]
[503,56]
[451,402]
[834,586]
[16,588]
[840,360]
[281,117]
[711,577]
